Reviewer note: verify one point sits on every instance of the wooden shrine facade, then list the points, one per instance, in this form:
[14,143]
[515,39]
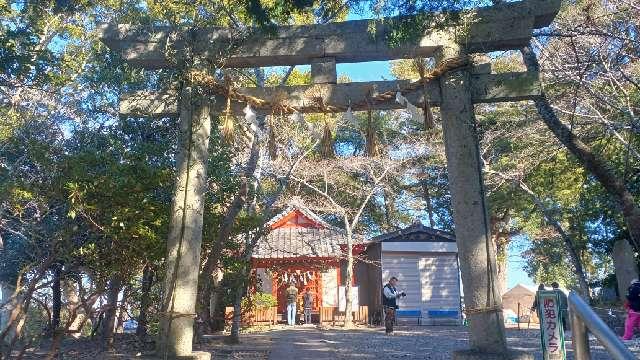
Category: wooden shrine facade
[303,249]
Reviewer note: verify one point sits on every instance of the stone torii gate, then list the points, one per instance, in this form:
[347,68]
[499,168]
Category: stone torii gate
[500,27]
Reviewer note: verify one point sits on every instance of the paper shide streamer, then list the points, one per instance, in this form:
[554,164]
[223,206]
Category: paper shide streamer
[411,109]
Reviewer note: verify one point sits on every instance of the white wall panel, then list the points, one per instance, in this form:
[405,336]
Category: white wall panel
[429,279]
[330,288]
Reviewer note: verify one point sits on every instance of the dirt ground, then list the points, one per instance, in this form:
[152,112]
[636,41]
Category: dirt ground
[310,342]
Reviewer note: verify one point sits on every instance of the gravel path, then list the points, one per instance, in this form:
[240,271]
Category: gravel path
[311,343]
[423,342]
[301,343]
[253,346]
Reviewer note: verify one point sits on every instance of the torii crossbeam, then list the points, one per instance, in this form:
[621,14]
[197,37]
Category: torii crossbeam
[501,27]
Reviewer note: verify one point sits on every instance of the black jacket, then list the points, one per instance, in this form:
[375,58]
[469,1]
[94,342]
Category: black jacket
[390,302]
[633,296]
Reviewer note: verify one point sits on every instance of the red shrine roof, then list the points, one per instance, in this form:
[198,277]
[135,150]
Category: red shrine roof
[298,232]
[300,215]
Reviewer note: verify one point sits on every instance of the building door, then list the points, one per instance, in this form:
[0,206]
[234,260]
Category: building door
[304,280]
[404,266]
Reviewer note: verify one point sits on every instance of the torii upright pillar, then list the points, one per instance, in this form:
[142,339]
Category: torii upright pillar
[475,251]
[185,229]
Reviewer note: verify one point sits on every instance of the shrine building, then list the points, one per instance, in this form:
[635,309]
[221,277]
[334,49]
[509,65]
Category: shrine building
[304,249]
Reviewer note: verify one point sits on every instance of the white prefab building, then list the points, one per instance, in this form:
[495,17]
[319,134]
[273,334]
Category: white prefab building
[425,261]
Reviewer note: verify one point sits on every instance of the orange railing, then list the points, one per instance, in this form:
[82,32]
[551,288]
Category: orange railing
[268,316]
[331,315]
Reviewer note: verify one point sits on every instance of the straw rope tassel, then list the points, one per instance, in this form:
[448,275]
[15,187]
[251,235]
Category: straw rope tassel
[429,123]
[370,142]
[326,144]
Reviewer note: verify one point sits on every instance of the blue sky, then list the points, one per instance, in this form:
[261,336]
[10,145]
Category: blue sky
[515,271]
[367,71]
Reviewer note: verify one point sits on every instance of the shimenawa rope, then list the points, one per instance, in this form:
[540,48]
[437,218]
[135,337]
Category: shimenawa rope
[206,80]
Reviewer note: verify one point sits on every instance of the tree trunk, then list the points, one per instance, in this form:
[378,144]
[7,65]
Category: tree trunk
[236,322]
[612,183]
[568,240]
[427,199]
[501,238]
[501,279]
[145,301]
[348,311]
[215,300]
[473,233]
[7,304]
[242,282]
[185,228]
[212,263]
[208,292]
[73,302]
[56,299]
[74,310]
[15,321]
[109,321]
[122,310]
[210,269]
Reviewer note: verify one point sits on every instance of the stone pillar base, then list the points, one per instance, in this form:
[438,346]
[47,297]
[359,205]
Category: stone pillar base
[478,355]
[196,355]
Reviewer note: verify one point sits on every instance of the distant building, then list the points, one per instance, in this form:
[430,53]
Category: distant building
[523,296]
[425,261]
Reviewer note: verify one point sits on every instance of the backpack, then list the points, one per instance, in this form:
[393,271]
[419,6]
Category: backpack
[292,295]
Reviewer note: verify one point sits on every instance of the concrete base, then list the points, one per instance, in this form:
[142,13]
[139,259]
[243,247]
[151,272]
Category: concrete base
[196,355]
[477,355]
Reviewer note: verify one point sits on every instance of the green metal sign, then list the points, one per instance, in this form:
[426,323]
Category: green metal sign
[551,329]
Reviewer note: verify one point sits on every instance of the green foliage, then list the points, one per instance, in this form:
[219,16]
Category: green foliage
[547,262]
[259,301]
[409,21]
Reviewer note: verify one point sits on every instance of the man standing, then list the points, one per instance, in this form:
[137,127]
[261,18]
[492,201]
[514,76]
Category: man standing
[308,304]
[564,305]
[292,297]
[389,303]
